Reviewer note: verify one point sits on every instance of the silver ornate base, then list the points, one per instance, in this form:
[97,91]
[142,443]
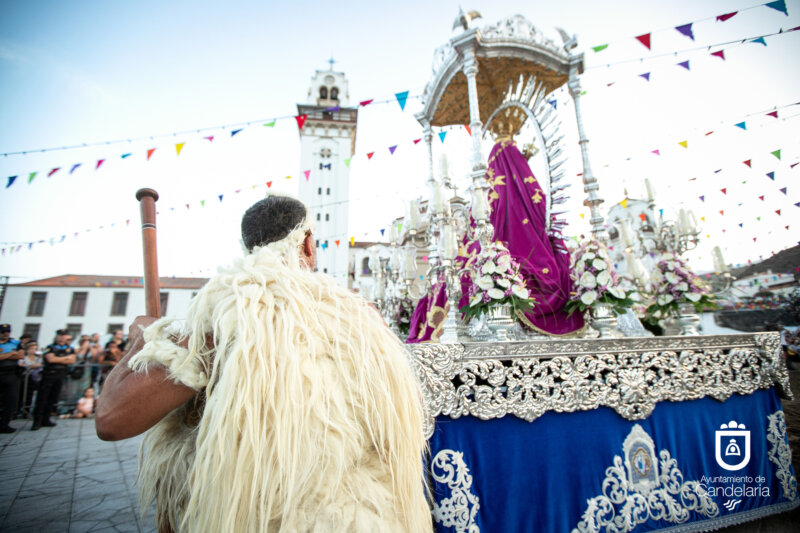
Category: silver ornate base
[604,320]
[501,322]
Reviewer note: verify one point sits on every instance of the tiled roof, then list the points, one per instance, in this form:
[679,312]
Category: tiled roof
[80,280]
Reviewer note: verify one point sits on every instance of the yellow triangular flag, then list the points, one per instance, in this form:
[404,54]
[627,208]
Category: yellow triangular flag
[624,203]
[352,241]
[179,147]
[581,215]
[685,144]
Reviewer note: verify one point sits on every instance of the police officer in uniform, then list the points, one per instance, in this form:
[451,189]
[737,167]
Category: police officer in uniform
[57,358]
[10,354]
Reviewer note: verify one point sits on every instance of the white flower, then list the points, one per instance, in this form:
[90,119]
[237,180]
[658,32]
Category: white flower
[588,280]
[475,300]
[589,297]
[485,282]
[599,264]
[603,278]
[670,265]
[580,266]
[693,296]
[489,268]
[657,313]
[664,299]
[504,261]
[588,255]
[617,292]
[503,282]
[497,294]
[682,286]
[671,277]
[520,292]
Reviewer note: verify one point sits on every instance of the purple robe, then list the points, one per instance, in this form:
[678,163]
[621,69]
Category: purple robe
[519,212]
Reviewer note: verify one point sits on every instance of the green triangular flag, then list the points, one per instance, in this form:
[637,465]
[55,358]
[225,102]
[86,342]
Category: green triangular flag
[202,203]
[31,176]
[776,153]
[270,124]
[347,161]
[599,48]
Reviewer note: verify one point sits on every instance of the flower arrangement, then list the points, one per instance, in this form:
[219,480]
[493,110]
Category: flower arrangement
[403,309]
[595,281]
[496,282]
[676,285]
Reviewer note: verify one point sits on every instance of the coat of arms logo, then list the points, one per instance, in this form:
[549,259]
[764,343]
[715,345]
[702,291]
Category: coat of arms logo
[732,446]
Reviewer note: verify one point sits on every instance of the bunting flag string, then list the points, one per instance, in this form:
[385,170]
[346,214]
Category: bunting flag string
[687,29]
[705,48]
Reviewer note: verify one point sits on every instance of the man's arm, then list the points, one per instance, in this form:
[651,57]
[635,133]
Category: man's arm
[132,403]
[12,355]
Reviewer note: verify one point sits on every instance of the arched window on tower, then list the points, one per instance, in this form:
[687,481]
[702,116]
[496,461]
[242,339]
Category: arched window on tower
[323,93]
[365,270]
[334,93]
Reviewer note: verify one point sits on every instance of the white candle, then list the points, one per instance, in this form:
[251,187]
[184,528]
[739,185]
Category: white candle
[395,232]
[625,229]
[683,221]
[409,269]
[719,262]
[448,244]
[443,166]
[649,187]
[439,203]
[692,221]
[414,216]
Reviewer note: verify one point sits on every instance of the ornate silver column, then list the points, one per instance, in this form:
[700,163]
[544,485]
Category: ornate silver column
[475,126]
[427,135]
[590,185]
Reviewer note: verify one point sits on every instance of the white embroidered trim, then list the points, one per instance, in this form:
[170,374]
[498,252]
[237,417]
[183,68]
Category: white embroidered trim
[161,349]
[781,454]
[624,505]
[459,510]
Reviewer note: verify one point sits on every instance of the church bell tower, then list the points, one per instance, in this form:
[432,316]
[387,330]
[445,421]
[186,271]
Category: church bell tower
[327,142]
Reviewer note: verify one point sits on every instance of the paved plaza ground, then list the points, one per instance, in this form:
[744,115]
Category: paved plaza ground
[65,479]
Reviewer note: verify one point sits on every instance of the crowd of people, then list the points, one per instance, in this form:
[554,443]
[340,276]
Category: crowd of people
[62,377]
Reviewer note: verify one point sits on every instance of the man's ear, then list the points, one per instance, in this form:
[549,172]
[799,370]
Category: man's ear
[308,246]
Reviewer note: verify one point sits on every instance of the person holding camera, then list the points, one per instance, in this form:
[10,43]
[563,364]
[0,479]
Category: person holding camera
[57,359]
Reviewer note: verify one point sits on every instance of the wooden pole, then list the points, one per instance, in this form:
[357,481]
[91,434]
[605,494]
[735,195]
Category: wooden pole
[152,291]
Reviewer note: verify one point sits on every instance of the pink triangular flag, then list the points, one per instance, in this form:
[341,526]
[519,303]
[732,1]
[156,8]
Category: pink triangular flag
[655,152]
[210,138]
[726,16]
[417,140]
[720,54]
[773,114]
[99,162]
[53,171]
[724,191]
[307,173]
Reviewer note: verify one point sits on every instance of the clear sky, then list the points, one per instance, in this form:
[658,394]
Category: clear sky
[91,71]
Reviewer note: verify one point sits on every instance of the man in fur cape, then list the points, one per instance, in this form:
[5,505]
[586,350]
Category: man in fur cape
[283,403]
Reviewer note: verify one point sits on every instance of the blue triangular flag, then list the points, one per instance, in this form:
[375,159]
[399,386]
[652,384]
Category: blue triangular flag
[783,190]
[780,5]
[11,180]
[684,64]
[123,156]
[702,198]
[442,135]
[797,204]
[741,224]
[401,99]
[759,40]
[76,165]
[553,103]
[220,197]
[392,149]
[234,132]
[771,175]
[646,76]
[742,125]
[382,230]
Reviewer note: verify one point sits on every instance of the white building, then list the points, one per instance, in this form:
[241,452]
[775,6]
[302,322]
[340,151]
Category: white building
[87,304]
[779,283]
[327,142]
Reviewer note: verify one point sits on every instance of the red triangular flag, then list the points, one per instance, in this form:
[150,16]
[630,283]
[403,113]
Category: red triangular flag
[417,140]
[778,211]
[724,191]
[210,138]
[150,153]
[726,16]
[466,127]
[269,184]
[754,240]
[773,114]
[720,54]
[709,133]
[53,171]
[761,198]
[301,119]
[370,154]
[644,39]
[365,102]
[722,212]
[337,242]
[307,173]
[748,163]
[99,162]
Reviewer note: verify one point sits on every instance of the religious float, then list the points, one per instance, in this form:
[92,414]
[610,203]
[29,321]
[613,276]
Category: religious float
[537,421]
